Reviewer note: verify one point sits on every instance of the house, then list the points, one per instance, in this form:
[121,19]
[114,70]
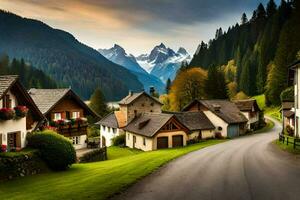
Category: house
[19,114]
[64,111]
[133,105]
[151,131]
[288,115]
[250,110]
[295,77]
[223,114]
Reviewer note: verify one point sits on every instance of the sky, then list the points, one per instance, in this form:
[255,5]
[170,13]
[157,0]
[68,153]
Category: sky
[136,25]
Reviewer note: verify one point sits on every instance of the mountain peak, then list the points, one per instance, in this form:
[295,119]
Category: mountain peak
[182,51]
[162,45]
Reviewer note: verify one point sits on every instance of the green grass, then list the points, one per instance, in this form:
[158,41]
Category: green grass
[289,148]
[20,153]
[267,128]
[98,180]
[273,111]
[117,152]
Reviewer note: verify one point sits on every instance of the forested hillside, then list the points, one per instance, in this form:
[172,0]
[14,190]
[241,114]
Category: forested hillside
[63,58]
[262,48]
[29,76]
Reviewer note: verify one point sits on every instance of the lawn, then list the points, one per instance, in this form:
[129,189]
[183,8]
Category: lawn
[273,111]
[288,148]
[95,180]
[117,152]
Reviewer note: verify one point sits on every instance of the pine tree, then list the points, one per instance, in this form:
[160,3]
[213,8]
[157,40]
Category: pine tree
[244,19]
[168,85]
[271,8]
[97,103]
[215,84]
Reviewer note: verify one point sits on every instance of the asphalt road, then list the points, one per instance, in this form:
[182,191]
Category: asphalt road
[248,167]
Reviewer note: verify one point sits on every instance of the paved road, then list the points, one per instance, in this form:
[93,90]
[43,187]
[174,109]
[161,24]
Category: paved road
[249,167]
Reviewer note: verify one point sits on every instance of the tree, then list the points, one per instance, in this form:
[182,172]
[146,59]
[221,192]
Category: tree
[187,86]
[97,103]
[261,12]
[168,85]
[271,8]
[244,19]
[215,84]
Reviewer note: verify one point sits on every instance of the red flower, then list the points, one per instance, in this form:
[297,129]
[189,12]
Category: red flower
[6,114]
[21,111]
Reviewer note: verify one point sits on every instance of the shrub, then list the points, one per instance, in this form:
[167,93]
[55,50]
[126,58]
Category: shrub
[119,140]
[290,130]
[56,150]
[287,94]
[95,155]
[218,135]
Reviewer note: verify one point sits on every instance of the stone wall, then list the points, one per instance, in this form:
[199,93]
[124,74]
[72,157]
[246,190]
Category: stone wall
[13,165]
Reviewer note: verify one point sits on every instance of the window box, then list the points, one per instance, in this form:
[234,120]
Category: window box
[21,111]
[7,114]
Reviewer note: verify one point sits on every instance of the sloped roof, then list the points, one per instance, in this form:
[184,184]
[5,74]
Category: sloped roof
[134,96]
[247,104]
[228,111]
[109,120]
[295,64]
[152,123]
[195,121]
[120,118]
[286,105]
[46,99]
[6,81]
[224,109]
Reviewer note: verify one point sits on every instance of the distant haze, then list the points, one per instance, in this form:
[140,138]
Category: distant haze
[137,25]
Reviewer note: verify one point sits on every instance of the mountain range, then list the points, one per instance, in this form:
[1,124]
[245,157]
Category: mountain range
[162,63]
[119,56]
[66,60]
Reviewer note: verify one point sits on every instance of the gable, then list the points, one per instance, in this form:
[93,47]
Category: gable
[173,125]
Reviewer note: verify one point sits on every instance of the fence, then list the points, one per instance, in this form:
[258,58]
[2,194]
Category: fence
[289,140]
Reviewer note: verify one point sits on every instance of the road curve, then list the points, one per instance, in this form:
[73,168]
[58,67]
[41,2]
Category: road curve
[248,167]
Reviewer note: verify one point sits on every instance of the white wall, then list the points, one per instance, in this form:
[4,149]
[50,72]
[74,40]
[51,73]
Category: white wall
[108,133]
[217,122]
[82,143]
[206,134]
[139,144]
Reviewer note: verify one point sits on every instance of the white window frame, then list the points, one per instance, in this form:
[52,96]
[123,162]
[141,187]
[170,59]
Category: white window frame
[114,130]
[75,114]
[57,116]
[76,140]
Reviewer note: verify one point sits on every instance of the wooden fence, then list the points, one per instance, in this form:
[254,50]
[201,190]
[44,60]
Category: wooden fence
[289,140]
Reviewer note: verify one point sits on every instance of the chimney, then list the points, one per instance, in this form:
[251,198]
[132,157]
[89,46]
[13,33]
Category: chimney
[152,90]
[130,93]
[216,107]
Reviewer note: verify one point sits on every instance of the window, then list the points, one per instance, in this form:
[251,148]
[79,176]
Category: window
[75,115]
[128,136]
[103,128]
[6,102]
[152,104]
[75,140]
[144,141]
[114,130]
[108,129]
[57,116]
[143,105]
[0,138]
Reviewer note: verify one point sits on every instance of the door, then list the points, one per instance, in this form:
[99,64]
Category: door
[14,140]
[162,142]
[134,141]
[233,130]
[177,141]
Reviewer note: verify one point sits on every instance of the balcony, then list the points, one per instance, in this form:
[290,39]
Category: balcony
[70,131]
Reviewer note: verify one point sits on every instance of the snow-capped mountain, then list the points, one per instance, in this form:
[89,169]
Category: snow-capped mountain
[119,56]
[163,62]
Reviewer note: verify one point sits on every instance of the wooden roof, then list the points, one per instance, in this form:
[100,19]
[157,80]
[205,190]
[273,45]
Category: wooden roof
[134,96]
[247,105]
[47,99]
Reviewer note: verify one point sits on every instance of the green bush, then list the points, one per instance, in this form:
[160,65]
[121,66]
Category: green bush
[119,140]
[287,94]
[56,150]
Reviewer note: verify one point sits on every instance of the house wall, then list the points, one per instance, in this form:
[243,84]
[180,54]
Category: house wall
[297,101]
[82,143]
[11,126]
[66,105]
[251,120]
[108,134]
[151,143]
[141,105]
[217,122]
[206,134]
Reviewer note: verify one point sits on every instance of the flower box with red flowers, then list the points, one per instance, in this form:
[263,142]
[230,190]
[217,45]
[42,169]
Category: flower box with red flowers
[7,114]
[3,148]
[21,111]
